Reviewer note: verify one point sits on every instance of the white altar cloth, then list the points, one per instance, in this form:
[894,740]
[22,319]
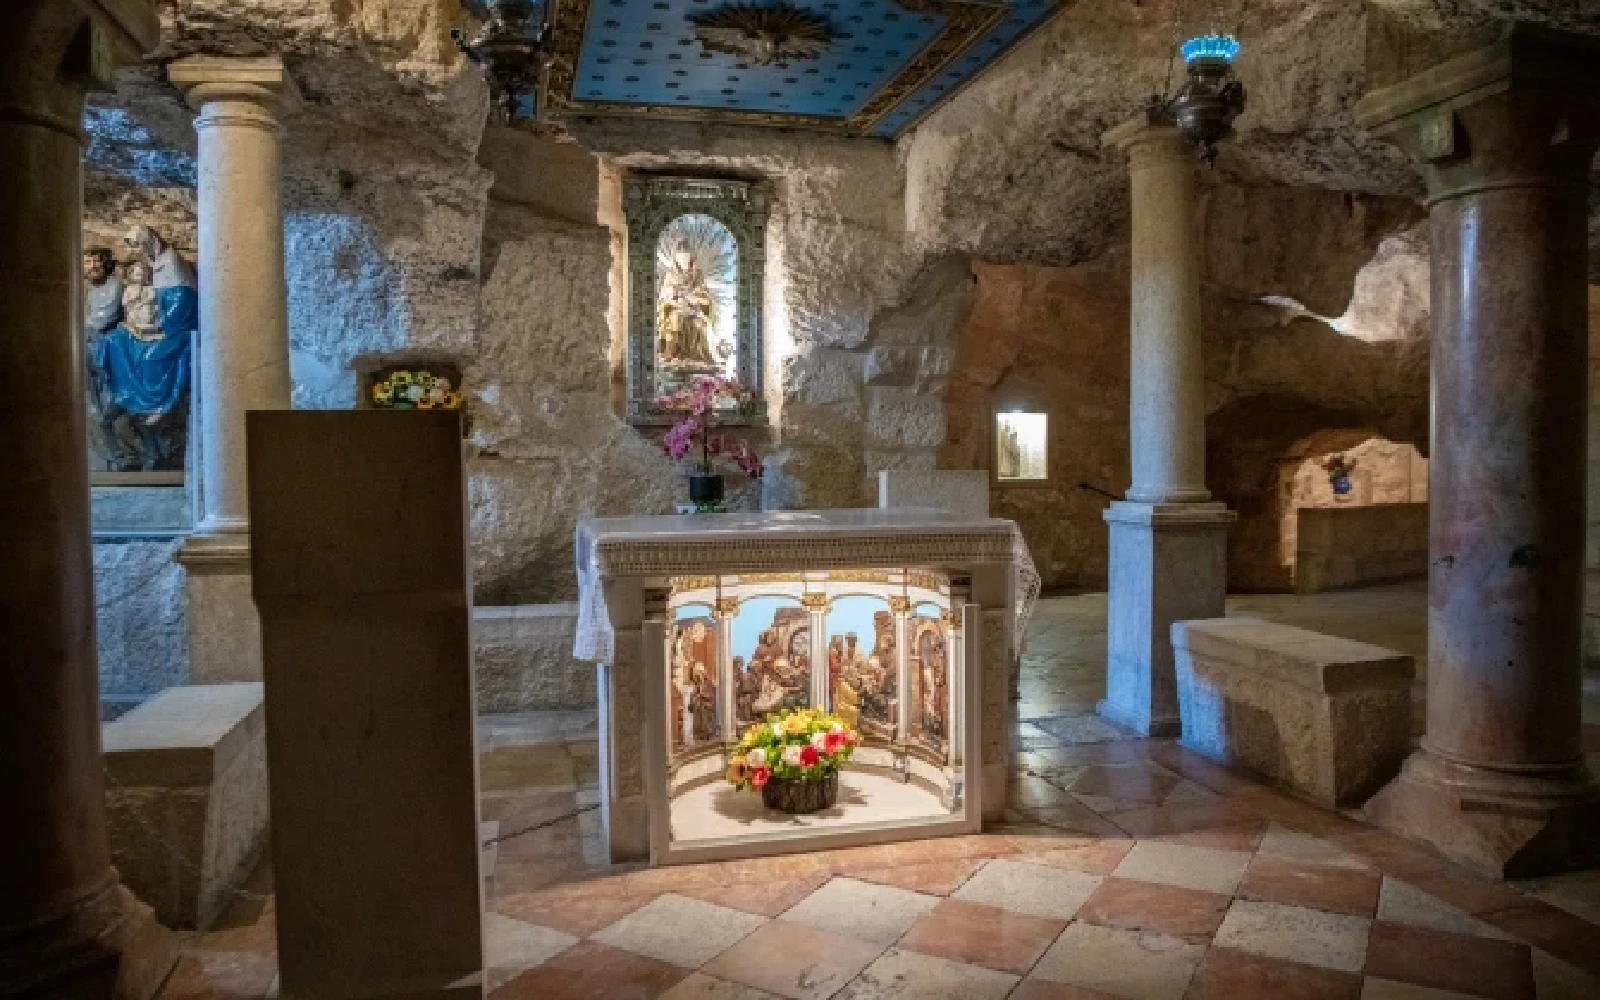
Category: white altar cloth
[764,542]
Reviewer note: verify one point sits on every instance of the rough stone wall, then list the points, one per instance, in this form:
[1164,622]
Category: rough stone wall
[860,330]
[1056,339]
[1052,340]
[142,631]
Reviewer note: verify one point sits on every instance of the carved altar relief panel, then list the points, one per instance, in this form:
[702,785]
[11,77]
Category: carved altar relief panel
[930,677]
[692,681]
[862,664]
[771,657]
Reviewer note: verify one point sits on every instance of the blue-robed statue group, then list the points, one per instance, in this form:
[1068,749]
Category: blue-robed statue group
[139,331]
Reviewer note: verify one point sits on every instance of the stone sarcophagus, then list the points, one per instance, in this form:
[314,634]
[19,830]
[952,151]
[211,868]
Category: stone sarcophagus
[1326,717]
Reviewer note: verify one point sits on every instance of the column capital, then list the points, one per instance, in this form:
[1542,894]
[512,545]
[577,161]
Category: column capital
[257,79]
[900,605]
[814,602]
[1521,111]
[1144,136]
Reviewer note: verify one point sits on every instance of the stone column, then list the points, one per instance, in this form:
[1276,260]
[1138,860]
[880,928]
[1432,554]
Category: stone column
[1504,135]
[817,606]
[67,926]
[242,354]
[1168,542]
[727,610]
[901,607]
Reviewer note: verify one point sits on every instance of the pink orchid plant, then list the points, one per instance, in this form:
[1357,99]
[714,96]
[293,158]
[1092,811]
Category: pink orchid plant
[699,403]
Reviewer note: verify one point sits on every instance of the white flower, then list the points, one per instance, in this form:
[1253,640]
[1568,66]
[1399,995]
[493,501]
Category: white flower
[819,740]
[791,755]
[756,757]
[415,393]
[777,729]
[838,727]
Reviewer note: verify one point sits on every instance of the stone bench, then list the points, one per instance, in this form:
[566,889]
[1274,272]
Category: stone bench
[186,798]
[1326,717]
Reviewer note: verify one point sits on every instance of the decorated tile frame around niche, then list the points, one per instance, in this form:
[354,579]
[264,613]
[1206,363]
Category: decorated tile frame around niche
[847,641]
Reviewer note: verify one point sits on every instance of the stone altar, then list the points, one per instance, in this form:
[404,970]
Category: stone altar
[632,569]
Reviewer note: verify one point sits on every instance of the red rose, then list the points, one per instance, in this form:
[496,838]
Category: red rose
[759,776]
[808,756]
[833,742]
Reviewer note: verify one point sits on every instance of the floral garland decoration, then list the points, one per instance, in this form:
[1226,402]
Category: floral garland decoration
[804,744]
[422,390]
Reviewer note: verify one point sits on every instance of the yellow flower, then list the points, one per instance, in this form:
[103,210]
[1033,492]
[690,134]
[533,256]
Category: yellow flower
[400,378]
[738,772]
[794,725]
[382,392]
[425,403]
[453,401]
[425,379]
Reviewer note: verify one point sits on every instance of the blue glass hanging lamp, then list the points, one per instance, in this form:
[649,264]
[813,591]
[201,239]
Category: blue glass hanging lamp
[1211,97]
[507,47]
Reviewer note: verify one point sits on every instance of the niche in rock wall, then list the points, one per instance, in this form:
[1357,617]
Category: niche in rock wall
[1021,447]
[1352,510]
[696,270]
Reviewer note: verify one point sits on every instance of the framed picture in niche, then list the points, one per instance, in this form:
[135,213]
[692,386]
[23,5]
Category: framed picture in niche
[1021,447]
[696,269]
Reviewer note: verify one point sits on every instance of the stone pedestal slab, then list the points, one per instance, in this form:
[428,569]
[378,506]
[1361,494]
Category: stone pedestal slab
[186,798]
[1505,136]
[1324,716]
[1168,564]
[359,561]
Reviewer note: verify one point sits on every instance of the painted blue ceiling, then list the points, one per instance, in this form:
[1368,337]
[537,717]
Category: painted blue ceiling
[889,64]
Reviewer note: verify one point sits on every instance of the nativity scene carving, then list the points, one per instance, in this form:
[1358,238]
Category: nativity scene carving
[139,330]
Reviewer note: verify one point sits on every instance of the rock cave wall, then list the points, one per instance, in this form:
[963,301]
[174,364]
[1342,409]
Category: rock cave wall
[414,234]
[1056,339]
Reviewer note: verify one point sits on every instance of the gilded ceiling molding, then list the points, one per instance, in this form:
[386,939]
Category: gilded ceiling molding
[965,24]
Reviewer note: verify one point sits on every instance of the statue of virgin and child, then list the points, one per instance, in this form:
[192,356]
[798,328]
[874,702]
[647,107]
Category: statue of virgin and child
[687,311]
[139,331]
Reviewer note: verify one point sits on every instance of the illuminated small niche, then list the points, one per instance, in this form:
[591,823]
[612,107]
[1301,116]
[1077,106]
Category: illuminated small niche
[1021,447]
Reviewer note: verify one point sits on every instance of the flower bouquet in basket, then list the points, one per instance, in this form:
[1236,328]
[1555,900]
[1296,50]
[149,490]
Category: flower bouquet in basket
[793,759]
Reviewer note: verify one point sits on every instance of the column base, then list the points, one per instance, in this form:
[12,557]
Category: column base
[1502,824]
[1168,563]
[224,630]
[128,959]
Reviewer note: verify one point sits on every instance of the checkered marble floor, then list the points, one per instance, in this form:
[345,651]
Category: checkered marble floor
[1127,868]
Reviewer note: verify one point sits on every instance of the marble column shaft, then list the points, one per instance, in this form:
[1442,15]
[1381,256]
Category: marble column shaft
[1168,542]
[242,360]
[817,614]
[67,926]
[1505,136]
[1167,418]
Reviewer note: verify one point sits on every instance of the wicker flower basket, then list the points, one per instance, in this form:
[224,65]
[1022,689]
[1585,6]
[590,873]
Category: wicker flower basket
[800,797]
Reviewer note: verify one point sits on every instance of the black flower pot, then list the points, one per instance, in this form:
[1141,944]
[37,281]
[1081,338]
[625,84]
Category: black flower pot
[800,797]
[705,488]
